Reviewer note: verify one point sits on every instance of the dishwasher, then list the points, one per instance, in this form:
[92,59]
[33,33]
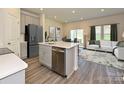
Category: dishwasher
[58,60]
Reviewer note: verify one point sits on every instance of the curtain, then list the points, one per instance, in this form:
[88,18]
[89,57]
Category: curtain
[93,33]
[114,33]
[45,35]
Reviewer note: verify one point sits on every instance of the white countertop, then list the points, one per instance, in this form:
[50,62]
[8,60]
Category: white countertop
[10,64]
[61,44]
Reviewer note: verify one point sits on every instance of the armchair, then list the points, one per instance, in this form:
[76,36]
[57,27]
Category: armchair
[118,51]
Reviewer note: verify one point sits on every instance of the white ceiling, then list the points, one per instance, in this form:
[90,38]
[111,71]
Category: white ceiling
[66,15]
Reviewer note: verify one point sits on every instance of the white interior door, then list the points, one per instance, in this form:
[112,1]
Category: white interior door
[1,28]
[12,34]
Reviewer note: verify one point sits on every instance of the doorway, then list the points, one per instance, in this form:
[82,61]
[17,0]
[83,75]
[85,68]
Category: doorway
[77,33]
[12,33]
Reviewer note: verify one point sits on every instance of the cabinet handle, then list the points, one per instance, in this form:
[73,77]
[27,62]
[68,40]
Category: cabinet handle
[58,51]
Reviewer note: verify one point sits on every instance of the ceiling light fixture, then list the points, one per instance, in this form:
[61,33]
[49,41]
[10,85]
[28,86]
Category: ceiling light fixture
[102,10]
[73,12]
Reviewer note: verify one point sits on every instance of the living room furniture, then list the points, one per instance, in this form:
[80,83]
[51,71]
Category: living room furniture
[94,42]
[118,51]
[102,45]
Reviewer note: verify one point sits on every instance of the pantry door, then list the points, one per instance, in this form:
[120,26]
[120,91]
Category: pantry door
[12,33]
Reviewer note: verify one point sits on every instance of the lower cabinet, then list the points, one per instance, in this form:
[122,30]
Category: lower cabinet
[45,55]
[23,52]
[61,60]
[17,78]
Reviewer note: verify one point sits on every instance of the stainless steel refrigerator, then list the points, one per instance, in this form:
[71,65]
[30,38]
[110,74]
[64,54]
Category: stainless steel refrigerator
[33,35]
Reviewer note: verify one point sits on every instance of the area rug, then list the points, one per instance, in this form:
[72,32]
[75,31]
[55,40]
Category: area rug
[101,58]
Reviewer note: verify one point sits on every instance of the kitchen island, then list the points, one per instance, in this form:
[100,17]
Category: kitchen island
[61,57]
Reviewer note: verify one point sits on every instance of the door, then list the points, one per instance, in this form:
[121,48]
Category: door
[39,34]
[12,34]
[77,33]
[54,61]
[1,28]
[33,50]
[61,63]
[32,34]
[58,61]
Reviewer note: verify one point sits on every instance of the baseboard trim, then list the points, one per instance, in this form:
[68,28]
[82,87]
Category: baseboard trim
[98,50]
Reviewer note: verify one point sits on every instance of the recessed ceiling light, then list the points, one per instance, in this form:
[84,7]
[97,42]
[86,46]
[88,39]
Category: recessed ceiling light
[102,10]
[41,9]
[55,17]
[73,11]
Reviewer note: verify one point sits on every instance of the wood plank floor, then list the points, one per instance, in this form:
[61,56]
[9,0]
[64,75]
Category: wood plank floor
[88,73]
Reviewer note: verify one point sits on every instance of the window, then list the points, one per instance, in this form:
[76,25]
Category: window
[98,32]
[103,32]
[107,29]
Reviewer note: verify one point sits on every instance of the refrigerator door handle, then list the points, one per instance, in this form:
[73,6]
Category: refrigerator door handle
[31,38]
[35,39]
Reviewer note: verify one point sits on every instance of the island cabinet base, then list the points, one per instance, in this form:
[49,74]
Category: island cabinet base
[45,55]
[61,57]
[17,78]
[71,60]
[65,61]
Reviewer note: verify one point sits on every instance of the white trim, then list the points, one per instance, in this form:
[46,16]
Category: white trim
[30,14]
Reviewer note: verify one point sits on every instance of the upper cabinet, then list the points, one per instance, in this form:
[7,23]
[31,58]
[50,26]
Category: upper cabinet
[28,18]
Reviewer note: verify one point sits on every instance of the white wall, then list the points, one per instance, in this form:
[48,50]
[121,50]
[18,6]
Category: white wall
[52,23]
[13,11]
